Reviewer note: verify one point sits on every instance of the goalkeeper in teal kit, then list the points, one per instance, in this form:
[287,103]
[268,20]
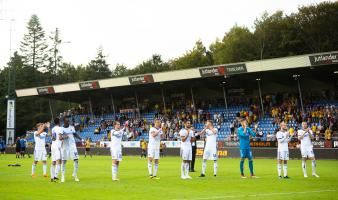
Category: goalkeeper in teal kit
[244,133]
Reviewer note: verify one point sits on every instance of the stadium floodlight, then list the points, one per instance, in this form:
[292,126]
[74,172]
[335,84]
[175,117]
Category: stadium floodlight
[10,126]
[296,76]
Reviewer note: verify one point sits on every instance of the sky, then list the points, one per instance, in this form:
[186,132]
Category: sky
[131,31]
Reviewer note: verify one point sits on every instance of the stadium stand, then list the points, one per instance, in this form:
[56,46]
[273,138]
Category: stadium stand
[321,115]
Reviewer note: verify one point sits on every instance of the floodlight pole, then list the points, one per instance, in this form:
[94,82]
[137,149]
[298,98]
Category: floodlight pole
[10,125]
[112,103]
[90,107]
[192,98]
[260,95]
[137,105]
[225,100]
[163,98]
[297,77]
[50,109]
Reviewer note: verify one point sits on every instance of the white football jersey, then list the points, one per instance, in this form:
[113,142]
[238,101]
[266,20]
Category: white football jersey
[211,138]
[56,131]
[187,142]
[68,131]
[154,142]
[116,138]
[305,143]
[283,140]
[40,141]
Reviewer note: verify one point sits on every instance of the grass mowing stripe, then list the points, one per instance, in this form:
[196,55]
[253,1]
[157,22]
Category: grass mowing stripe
[261,194]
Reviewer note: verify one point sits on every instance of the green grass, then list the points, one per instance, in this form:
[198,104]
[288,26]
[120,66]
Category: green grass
[95,181]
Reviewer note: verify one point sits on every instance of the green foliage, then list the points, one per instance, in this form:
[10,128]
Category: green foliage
[33,47]
[120,70]
[317,27]
[155,64]
[97,68]
[197,57]
[237,45]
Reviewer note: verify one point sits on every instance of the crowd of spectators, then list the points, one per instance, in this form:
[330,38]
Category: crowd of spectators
[280,106]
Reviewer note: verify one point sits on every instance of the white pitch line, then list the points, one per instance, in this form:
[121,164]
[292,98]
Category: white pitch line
[260,194]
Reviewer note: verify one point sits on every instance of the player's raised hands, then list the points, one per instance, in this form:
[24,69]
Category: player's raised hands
[47,125]
[163,126]
[126,124]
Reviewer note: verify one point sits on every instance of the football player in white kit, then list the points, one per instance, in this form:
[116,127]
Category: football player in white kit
[68,149]
[40,153]
[210,149]
[116,135]
[56,150]
[283,139]
[155,134]
[187,135]
[305,136]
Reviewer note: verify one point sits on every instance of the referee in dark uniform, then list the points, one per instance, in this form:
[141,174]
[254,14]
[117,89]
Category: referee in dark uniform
[194,147]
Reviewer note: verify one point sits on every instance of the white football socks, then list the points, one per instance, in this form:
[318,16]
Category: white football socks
[76,167]
[187,169]
[44,169]
[182,169]
[285,169]
[304,167]
[215,167]
[52,171]
[57,170]
[33,168]
[150,168]
[114,171]
[204,166]
[155,169]
[279,169]
[313,166]
[63,168]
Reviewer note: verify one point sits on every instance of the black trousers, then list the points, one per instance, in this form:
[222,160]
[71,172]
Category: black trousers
[192,163]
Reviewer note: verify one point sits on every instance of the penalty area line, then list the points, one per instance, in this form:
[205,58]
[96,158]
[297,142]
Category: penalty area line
[260,195]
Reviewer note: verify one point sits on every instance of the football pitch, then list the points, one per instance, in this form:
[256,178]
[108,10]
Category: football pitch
[95,181]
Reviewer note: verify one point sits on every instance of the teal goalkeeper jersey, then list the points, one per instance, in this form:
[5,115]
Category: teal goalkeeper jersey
[244,138]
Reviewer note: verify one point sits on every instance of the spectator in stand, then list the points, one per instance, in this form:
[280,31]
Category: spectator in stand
[268,137]
[176,134]
[328,134]
[291,131]
[171,134]
[215,117]
[87,121]
[260,135]
[97,130]
[235,124]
